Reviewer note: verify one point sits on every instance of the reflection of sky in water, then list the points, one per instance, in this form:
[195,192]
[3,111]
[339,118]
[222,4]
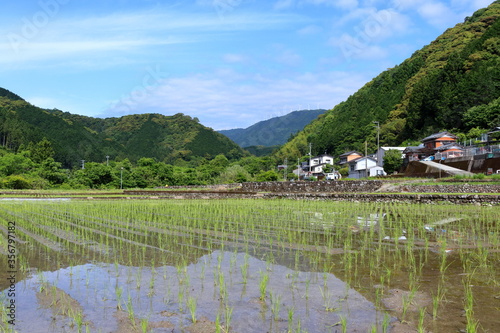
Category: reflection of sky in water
[94,287]
[35,199]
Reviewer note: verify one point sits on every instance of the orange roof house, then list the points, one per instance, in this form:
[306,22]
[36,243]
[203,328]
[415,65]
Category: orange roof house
[439,139]
[349,156]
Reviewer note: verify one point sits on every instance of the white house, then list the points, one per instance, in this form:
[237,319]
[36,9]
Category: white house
[365,167]
[322,160]
[315,167]
[317,163]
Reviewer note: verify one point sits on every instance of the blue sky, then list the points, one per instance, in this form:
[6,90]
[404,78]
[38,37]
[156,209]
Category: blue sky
[230,63]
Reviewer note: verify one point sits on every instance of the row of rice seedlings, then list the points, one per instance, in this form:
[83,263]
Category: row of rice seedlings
[281,226]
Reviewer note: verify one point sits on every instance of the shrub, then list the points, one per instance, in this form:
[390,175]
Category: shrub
[16,182]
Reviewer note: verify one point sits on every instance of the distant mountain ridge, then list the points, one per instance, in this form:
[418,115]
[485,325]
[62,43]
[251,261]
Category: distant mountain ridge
[75,137]
[274,131]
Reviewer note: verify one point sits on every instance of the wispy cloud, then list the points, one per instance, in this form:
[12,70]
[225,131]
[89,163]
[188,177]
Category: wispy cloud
[221,101]
[126,32]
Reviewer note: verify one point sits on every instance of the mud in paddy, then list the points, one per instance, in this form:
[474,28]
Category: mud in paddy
[250,266]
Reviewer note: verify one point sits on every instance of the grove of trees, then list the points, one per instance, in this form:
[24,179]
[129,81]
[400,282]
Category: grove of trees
[33,167]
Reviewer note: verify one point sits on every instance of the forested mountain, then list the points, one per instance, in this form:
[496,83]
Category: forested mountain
[274,131]
[75,138]
[452,83]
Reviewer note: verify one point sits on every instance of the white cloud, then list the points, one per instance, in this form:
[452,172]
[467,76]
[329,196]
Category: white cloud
[345,4]
[482,3]
[364,39]
[234,58]
[283,4]
[223,102]
[119,33]
[309,30]
[438,14]
[289,58]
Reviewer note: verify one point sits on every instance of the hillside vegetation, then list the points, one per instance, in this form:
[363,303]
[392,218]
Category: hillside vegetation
[75,138]
[452,83]
[274,131]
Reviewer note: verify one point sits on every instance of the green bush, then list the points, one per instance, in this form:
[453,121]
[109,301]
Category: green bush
[16,182]
[267,176]
[479,176]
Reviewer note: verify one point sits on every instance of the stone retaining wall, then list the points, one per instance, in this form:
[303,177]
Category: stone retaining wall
[353,197]
[313,186]
[397,198]
[462,188]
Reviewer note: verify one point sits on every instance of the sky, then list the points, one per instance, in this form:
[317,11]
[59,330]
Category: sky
[229,63]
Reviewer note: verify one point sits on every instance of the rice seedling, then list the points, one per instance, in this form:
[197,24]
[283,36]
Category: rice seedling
[371,247]
[228,316]
[275,305]
[144,325]
[290,319]
[192,304]
[264,280]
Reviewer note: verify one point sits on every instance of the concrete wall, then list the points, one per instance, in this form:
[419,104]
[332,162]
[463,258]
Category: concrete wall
[477,164]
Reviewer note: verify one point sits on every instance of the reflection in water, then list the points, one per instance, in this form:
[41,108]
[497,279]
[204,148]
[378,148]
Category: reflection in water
[227,285]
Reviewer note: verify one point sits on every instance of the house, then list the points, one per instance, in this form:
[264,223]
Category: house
[493,134]
[381,153]
[364,167]
[449,151]
[349,156]
[415,153]
[316,165]
[439,139]
[322,160]
[441,143]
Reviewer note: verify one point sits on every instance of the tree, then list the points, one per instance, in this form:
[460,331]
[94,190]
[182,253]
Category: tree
[267,176]
[16,182]
[392,161]
[41,151]
[327,168]
[11,164]
[234,174]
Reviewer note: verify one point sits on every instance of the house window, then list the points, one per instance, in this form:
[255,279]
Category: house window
[353,167]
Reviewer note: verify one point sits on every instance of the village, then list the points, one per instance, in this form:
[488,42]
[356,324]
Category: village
[438,155]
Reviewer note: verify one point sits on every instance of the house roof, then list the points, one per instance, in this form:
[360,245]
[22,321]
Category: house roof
[393,148]
[450,146]
[412,149]
[418,149]
[322,155]
[494,130]
[436,136]
[359,159]
[350,153]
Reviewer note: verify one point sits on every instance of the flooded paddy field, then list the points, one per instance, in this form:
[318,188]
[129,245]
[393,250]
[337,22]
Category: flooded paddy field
[248,266]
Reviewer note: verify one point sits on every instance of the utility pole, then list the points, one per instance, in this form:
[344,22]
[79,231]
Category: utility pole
[366,159]
[310,156]
[298,168]
[286,168]
[83,164]
[121,178]
[378,141]
[107,160]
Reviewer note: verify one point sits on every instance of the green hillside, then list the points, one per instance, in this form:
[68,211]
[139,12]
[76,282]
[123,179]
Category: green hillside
[274,131]
[452,83]
[75,138]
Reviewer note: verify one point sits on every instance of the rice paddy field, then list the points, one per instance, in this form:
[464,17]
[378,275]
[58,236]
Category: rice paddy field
[246,265]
